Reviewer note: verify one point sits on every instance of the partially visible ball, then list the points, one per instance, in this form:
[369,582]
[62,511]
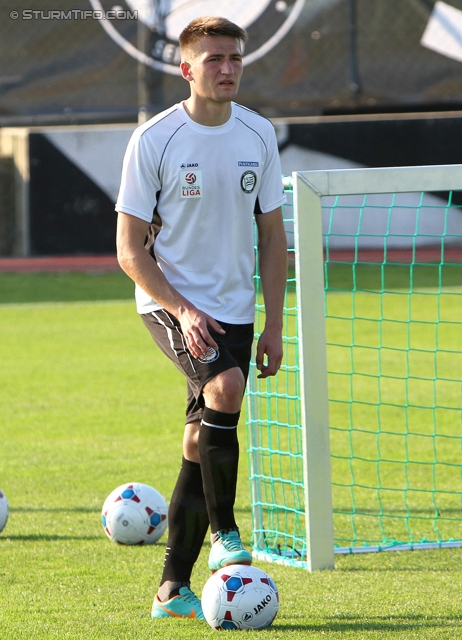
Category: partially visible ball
[4,511]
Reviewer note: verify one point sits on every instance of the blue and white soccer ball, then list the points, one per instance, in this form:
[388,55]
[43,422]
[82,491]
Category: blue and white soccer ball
[134,513]
[3,510]
[240,597]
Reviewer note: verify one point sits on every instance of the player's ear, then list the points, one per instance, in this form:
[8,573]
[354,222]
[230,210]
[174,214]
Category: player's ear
[185,68]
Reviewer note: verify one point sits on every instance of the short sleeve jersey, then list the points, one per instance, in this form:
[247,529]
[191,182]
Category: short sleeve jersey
[204,185]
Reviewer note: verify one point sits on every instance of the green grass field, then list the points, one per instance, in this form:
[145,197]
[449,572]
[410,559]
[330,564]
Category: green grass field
[88,403]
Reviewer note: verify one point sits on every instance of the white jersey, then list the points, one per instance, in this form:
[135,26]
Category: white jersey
[203,185]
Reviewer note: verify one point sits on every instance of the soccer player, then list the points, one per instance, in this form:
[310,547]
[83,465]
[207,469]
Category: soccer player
[194,179]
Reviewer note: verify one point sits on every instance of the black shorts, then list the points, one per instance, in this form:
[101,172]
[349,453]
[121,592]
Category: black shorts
[234,350]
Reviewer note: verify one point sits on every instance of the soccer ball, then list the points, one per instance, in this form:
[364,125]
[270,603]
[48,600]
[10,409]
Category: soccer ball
[134,513]
[3,510]
[240,597]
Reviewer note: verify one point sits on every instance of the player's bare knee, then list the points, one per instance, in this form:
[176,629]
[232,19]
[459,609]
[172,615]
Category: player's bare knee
[225,389]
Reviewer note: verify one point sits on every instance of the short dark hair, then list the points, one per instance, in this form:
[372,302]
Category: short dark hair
[209,26]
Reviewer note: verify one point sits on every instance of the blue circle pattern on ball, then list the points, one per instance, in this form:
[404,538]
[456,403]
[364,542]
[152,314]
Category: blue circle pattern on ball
[233,584]
[228,625]
[155,519]
[127,494]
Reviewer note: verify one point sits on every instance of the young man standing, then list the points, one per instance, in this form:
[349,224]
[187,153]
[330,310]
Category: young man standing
[194,179]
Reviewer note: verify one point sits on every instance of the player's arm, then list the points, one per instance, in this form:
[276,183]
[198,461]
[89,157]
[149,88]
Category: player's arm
[272,260]
[142,269]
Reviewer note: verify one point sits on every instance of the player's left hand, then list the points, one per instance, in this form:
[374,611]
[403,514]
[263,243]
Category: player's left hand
[269,352]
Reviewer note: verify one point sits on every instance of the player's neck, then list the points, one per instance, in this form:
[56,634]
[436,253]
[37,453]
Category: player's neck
[209,114]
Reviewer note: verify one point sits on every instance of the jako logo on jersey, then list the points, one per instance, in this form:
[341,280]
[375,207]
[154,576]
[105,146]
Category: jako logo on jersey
[191,184]
[248,181]
[266,21]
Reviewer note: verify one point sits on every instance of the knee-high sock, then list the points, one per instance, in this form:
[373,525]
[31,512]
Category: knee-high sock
[187,524]
[219,458]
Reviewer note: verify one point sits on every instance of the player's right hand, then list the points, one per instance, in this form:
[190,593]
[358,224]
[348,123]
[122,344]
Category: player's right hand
[194,325]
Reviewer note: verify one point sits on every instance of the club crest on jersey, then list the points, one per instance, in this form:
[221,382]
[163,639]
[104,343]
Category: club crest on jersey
[213,355]
[191,183]
[248,181]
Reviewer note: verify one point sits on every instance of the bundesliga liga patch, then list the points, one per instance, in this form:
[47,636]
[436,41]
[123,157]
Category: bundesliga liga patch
[191,184]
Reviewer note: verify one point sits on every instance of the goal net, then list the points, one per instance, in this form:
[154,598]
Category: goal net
[355,445]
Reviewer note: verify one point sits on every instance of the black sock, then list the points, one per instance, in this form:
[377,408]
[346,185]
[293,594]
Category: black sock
[219,456]
[187,524]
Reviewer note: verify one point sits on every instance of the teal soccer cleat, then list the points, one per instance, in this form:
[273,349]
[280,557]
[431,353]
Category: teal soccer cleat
[228,549]
[185,605]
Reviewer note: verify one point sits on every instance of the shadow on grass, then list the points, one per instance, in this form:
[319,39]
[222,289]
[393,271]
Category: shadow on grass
[54,537]
[390,624]
[16,288]
[55,509]
[400,569]
[390,277]
[39,537]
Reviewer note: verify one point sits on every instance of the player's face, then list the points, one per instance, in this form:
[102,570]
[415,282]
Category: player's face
[215,71]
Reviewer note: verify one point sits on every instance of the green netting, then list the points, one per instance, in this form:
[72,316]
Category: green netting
[394,355]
